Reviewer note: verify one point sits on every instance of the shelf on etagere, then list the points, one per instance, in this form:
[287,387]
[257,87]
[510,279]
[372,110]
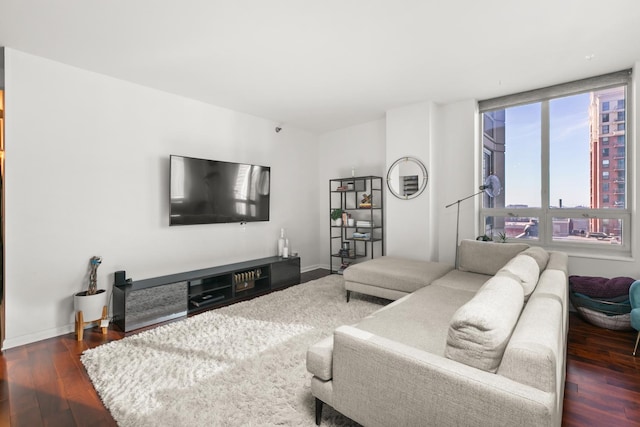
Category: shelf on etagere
[361,198]
[356,256]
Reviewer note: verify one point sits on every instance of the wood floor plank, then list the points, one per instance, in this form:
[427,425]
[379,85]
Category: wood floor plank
[22,394]
[45,383]
[26,419]
[45,380]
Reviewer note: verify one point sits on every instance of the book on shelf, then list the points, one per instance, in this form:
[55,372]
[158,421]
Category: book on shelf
[363,223]
[363,236]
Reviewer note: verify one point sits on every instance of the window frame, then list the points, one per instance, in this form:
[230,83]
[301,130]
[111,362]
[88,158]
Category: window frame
[546,214]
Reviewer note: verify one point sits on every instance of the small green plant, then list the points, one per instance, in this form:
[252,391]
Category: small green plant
[502,237]
[336,213]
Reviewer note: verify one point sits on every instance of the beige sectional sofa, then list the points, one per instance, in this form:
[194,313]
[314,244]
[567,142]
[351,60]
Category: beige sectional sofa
[484,344]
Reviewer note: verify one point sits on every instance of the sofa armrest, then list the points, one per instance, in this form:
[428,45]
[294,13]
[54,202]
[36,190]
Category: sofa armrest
[320,359]
[377,381]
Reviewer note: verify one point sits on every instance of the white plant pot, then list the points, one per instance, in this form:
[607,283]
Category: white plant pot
[90,305]
[338,222]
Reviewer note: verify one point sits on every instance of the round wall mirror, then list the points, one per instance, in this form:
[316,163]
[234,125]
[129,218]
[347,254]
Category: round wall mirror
[407,178]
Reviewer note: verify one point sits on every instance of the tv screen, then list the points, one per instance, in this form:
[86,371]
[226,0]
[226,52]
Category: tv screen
[212,191]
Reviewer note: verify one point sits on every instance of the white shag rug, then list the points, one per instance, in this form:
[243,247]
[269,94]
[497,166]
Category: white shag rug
[240,365]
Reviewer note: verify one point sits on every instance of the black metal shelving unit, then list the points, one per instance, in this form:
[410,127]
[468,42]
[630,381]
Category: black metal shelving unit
[348,194]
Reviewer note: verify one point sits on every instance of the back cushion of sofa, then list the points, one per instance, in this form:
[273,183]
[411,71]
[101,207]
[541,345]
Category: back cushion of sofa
[540,255]
[525,269]
[533,355]
[558,261]
[486,257]
[480,329]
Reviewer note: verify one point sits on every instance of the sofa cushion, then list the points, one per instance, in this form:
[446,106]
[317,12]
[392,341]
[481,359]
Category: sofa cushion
[480,329]
[320,359]
[464,280]
[539,255]
[420,320]
[536,348]
[400,274]
[525,269]
[558,261]
[486,257]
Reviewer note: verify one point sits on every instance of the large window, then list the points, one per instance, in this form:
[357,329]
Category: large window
[559,186]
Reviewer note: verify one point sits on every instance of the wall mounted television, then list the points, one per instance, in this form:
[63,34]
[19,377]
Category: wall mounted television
[212,191]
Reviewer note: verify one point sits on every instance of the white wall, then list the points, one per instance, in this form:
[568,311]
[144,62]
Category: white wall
[87,173]
[361,147]
[456,150]
[410,222]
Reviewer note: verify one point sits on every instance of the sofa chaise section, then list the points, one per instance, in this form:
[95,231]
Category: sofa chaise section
[391,277]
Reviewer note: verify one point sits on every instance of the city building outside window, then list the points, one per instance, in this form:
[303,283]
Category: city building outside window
[546,148]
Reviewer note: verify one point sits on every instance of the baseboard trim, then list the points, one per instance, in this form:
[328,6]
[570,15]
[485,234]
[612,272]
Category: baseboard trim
[311,268]
[38,336]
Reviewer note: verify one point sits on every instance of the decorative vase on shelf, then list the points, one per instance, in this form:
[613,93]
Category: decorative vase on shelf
[281,243]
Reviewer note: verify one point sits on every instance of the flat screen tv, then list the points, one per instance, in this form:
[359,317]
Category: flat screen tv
[213,191]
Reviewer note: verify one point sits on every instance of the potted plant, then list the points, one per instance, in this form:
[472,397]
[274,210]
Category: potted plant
[336,216]
[91,305]
[502,237]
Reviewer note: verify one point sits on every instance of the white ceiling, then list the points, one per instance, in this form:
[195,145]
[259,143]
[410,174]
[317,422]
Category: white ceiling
[326,64]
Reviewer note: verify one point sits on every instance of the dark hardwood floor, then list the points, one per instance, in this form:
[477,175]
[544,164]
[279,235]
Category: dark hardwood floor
[45,384]
[603,378]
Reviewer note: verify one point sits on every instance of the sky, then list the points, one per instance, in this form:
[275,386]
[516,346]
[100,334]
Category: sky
[569,153]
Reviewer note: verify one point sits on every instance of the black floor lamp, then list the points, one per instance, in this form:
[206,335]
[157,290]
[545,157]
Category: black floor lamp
[491,186]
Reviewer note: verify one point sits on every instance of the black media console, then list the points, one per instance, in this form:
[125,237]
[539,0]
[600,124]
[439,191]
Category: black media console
[150,301]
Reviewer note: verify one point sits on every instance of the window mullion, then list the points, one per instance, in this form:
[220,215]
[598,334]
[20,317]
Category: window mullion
[546,223]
